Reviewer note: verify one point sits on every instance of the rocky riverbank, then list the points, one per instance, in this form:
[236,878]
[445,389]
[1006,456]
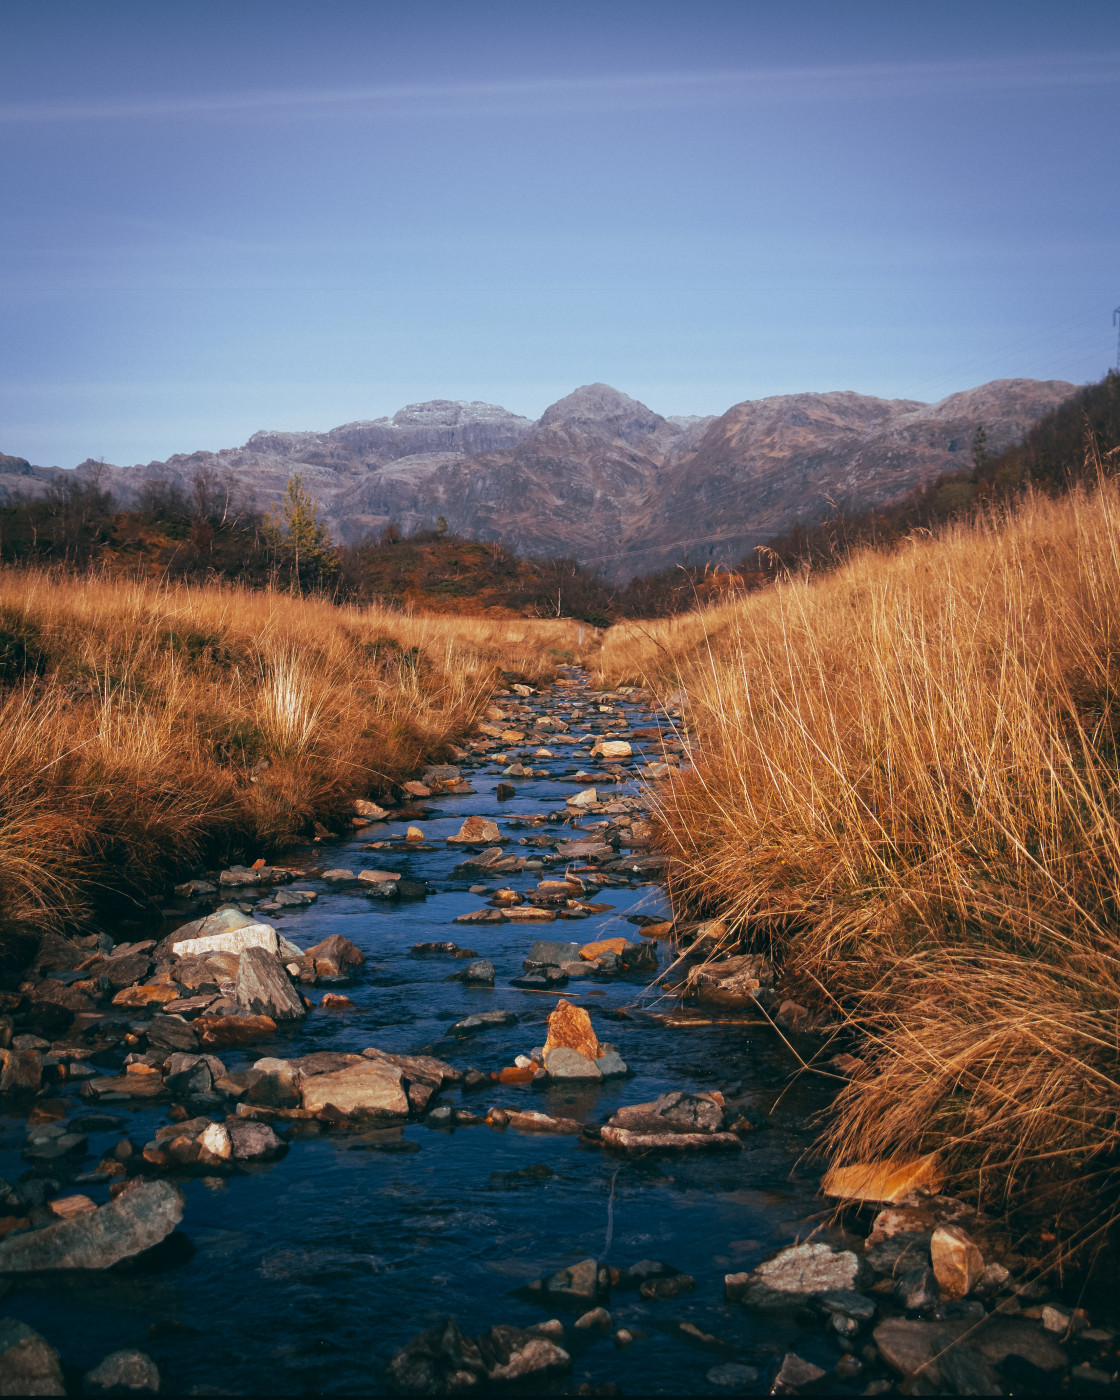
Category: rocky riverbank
[301,1092]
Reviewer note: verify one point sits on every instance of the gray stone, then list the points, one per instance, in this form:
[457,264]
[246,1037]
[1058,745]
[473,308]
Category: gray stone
[372,1088]
[137,1220]
[844,1302]
[562,1062]
[274,1083]
[673,1112]
[911,1345]
[29,1365]
[483,1020]
[917,1290]
[582,1283]
[611,1065]
[481,971]
[528,1356]
[254,1142]
[127,1372]
[801,1272]
[266,989]
[626,1141]
[546,952]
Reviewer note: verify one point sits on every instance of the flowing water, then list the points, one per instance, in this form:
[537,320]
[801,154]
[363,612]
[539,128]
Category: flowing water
[308,1274]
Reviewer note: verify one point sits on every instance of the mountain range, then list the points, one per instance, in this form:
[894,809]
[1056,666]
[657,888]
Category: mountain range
[599,476]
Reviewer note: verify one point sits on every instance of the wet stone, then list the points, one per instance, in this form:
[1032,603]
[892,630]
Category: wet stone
[127,1372]
[29,1365]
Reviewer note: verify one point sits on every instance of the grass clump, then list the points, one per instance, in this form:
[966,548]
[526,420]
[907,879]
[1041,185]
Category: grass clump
[906,786]
[134,715]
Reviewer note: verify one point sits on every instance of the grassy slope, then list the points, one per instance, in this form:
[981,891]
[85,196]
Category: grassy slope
[134,713]
[907,785]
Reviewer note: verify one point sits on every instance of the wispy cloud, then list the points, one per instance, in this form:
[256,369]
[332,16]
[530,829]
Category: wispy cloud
[618,92]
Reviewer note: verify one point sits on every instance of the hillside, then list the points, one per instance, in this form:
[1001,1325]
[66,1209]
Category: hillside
[599,476]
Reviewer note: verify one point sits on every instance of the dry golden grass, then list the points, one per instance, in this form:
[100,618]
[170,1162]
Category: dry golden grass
[906,785]
[130,738]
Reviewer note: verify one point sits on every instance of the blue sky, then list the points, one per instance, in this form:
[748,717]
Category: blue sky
[219,217]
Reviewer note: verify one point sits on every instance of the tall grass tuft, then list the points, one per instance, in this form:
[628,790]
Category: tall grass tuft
[907,787]
[150,727]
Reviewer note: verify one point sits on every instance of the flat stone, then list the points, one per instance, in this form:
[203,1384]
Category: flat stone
[611,1065]
[911,1345]
[227,1032]
[137,1220]
[888,1182]
[531,1357]
[371,1089]
[127,1372]
[361,807]
[483,1020]
[266,989]
[570,1026]
[156,994]
[626,1141]
[481,916]
[675,1111]
[172,1032]
[801,1272]
[29,1365]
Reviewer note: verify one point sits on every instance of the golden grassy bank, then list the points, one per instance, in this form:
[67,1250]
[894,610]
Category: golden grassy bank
[133,715]
[906,784]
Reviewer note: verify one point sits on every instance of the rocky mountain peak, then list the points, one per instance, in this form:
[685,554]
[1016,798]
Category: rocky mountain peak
[453,413]
[605,412]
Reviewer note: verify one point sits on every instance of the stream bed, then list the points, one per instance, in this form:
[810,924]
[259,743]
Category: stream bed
[309,1273]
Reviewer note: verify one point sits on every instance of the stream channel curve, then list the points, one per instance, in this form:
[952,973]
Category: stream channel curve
[309,1273]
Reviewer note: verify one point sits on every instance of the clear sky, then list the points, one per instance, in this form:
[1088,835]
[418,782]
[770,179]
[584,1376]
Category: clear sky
[223,215]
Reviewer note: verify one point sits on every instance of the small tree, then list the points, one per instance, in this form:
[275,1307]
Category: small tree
[300,542]
[980,453]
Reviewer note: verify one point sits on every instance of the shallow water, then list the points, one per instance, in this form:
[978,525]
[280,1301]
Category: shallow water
[308,1274]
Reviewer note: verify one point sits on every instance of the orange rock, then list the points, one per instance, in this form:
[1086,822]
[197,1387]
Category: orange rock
[67,1207]
[223,1032]
[889,1182]
[141,996]
[335,999]
[46,1111]
[258,864]
[590,951]
[513,1075]
[957,1263]
[414,834]
[657,930]
[512,736]
[140,1067]
[571,1026]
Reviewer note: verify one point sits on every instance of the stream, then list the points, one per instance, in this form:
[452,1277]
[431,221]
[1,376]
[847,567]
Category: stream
[308,1274]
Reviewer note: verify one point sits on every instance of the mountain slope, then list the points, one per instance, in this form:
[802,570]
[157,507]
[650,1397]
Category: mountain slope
[601,477]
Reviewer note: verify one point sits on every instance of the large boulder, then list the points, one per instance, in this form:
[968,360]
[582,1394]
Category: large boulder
[266,989]
[372,1089]
[137,1220]
[675,1112]
[248,935]
[29,1365]
[570,1026]
[439,1361]
[253,1141]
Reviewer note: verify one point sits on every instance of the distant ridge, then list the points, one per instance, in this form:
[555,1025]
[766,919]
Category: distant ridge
[599,476]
